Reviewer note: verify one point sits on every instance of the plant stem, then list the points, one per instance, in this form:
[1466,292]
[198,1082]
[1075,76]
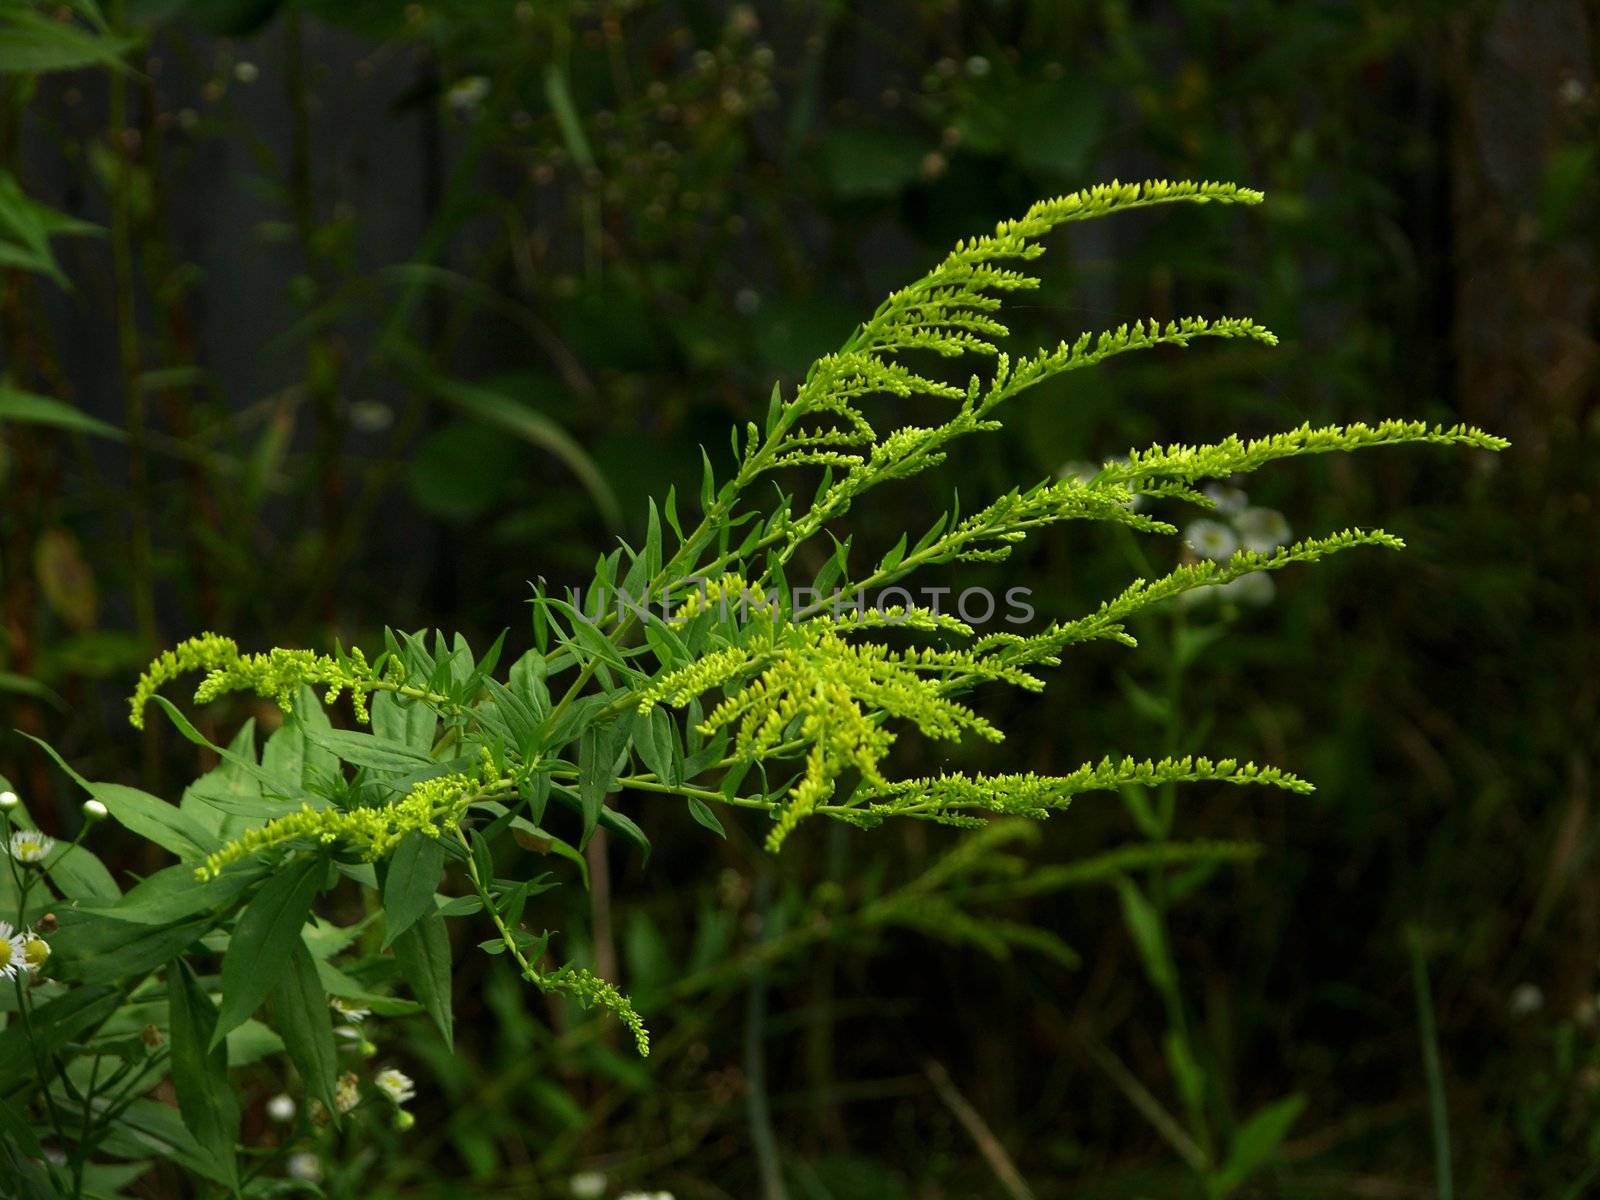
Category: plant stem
[141,581]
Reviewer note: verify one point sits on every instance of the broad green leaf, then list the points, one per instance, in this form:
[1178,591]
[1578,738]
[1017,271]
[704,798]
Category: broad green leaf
[250,1043]
[409,723]
[34,42]
[265,937]
[100,949]
[174,893]
[424,954]
[595,777]
[276,785]
[82,877]
[155,820]
[65,1019]
[658,747]
[200,1070]
[149,1127]
[301,1016]
[336,983]
[228,799]
[409,882]
[367,750]
[14,1124]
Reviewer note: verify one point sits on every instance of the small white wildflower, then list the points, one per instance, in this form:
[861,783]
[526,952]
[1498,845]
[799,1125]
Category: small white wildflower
[371,416]
[395,1084]
[1526,999]
[466,94]
[13,953]
[1210,539]
[349,1010]
[305,1166]
[348,1032]
[645,1196]
[281,1108]
[93,810]
[30,846]
[587,1185]
[9,800]
[246,72]
[1227,499]
[1262,529]
[347,1092]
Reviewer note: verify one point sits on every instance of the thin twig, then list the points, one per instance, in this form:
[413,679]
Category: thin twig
[1140,1097]
[1005,1170]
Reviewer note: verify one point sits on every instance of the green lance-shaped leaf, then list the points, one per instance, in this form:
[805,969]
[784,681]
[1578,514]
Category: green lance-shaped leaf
[409,881]
[1257,1141]
[265,938]
[46,410]
[301,1015]
[424,954]
[200,1071]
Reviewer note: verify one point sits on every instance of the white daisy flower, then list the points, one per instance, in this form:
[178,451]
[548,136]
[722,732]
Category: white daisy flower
[349,1010]
[1227,499]
[35,952]
[1210,539]
[305,1166]
[1262,529]
[30,846]
[395,1084]
[587,1185]
[13,953]
[281,1108]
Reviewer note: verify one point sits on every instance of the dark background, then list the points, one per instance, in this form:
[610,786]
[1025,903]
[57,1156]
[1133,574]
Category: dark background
[378,259]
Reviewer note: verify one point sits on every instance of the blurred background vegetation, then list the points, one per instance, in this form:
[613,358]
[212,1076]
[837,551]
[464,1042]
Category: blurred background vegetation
[325,315]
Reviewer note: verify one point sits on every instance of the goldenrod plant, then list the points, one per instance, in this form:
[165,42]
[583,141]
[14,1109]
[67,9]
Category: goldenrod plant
[716,664]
